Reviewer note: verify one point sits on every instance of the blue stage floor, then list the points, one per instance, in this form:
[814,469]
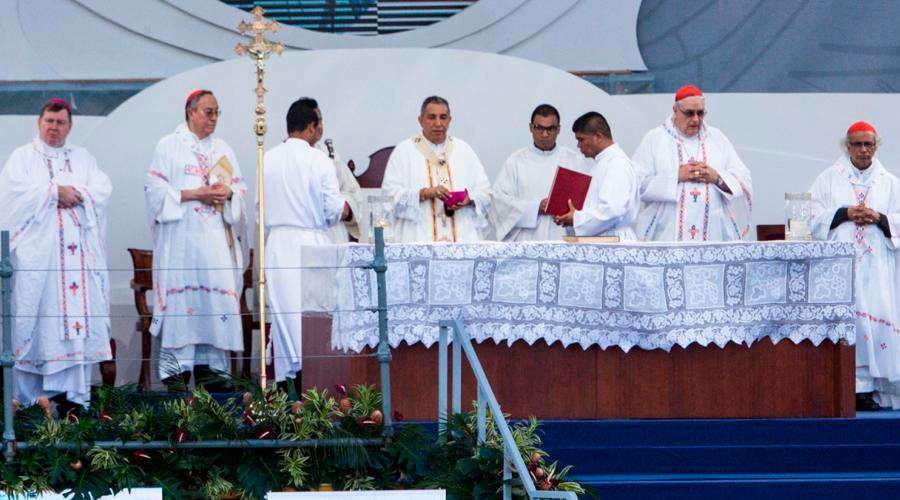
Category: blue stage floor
[713,459]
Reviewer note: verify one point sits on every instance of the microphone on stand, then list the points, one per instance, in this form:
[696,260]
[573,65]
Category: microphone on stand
[330,147]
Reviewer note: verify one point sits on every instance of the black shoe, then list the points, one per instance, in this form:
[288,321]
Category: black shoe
[210,379]
[865,402]
[64,407]
[177,383]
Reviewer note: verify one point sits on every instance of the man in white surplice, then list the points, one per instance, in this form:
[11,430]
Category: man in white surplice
[303,201]
[54,201]
[694,186]
[519,194]
[613,198]
[195,202]
[349,186]
[858,200]
[438,185]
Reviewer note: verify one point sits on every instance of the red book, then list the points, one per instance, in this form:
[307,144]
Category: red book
[567,185]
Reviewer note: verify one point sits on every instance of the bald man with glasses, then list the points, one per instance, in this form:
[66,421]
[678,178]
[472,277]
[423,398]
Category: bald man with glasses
[694,186]
[858,200]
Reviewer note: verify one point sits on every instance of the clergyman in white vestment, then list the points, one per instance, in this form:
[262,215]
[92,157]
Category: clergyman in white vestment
[195,202]
[694,186]
[858,200]
[519,194]
[350,191]
[303,201]
[429,168]
[613,199]
[53,198]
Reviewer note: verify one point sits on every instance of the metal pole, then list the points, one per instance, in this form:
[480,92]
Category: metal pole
[212,444]
[6,359]
[457,373]
[442,378]
[480,416]
[379,265]
[261,258]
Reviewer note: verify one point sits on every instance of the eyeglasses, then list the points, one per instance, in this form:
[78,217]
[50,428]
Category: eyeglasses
[690,113]
[211,113]
[862,144]
[544,130]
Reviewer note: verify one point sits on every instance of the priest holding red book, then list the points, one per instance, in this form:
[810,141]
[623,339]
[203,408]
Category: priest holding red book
[520,193]
[613,199]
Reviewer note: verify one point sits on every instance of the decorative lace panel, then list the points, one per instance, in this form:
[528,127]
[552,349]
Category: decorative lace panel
[651,296]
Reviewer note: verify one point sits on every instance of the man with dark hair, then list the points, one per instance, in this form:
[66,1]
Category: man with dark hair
[613,199]
[437,183]
[858,200]
[303,201]
[54,201]
[519,194]
[693,184]
[195,201]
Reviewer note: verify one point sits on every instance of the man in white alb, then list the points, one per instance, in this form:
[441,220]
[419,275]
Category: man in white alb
[519,194]
[694,187]
[858,200]
[438,185]
[349,186]
[53,198]
[195,202]
[303,201]
[613,199]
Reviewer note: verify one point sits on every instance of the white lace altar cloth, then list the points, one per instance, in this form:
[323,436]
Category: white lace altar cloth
[649,295]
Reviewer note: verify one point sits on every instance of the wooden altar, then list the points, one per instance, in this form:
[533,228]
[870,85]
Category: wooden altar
[765,380]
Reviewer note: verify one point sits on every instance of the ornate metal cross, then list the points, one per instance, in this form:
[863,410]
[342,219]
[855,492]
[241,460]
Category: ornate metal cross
[259,49]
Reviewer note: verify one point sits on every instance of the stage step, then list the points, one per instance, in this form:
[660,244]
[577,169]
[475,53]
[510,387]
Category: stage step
[743,486]
[771,458]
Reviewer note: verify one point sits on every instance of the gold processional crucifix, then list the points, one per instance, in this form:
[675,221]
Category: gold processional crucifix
[260,49]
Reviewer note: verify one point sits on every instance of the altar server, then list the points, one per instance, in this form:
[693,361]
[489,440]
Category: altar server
[613,198]
[520,192]
[303,201]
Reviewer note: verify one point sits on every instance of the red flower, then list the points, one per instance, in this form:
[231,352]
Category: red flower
[140,455]
[341,390]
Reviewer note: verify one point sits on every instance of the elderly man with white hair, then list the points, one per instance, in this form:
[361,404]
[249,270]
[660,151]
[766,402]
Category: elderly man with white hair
[858,200]
[694,186]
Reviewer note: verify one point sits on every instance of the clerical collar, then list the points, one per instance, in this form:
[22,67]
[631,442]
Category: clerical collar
[437,148]
[699,135]
[538,151]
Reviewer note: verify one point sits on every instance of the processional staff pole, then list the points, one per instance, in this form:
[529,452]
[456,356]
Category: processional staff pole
[259,50]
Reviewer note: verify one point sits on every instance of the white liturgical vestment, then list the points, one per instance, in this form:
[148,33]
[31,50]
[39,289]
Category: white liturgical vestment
[525,180]
[453,164]
[691,211]
[60,299]
[303,200]
[877,318]
[198,259]
[613,200]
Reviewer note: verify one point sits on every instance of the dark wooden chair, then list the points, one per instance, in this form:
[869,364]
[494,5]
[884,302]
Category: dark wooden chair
[770,232]
[141,283]
[374,174]
[248,322]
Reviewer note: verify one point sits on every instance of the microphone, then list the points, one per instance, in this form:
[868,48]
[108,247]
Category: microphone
[330,147]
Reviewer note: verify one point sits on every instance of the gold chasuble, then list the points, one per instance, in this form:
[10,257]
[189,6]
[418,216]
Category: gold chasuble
[439,173]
